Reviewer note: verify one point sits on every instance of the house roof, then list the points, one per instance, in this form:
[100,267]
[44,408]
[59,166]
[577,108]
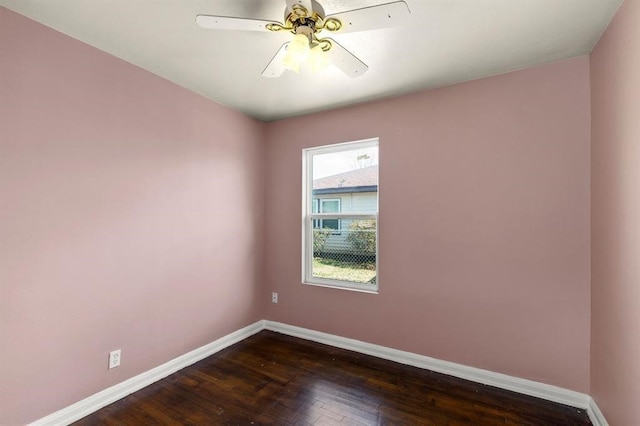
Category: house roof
[360,180]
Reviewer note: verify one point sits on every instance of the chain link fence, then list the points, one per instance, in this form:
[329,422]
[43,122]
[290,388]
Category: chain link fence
[347,253]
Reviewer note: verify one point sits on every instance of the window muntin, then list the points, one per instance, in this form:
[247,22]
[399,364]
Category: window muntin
[340,215]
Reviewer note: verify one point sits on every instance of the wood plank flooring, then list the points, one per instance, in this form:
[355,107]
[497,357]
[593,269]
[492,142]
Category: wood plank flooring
[271,378]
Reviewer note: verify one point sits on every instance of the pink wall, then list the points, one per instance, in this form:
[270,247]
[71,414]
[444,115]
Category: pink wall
[615,226]
[132,213]
[130,217]
[484,224]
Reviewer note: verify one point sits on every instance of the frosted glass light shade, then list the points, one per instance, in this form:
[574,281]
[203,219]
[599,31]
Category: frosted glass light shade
[298,51]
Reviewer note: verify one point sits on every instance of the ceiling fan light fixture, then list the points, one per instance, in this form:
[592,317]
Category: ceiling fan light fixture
[318,59]
[306,19]
[291,64]
[298,51]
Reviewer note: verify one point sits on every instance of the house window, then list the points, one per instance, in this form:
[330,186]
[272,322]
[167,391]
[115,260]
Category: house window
[340,216]
[326,205]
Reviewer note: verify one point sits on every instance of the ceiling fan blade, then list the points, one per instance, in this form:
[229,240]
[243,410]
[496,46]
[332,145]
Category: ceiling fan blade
[276,66]
[228,23]
[307,4]
[346,61]
[374,17]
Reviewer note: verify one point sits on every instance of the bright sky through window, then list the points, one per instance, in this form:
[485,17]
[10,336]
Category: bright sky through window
[339,162]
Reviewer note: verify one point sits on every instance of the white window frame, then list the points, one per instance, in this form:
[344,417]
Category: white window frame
[308,218]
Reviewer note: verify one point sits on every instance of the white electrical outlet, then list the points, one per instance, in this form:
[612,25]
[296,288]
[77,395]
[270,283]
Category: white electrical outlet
[274,297]
[114,358]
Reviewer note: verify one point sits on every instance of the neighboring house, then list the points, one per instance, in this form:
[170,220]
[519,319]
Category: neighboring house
[355,191]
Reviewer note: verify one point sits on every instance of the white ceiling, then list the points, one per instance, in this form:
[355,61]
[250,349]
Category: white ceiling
[443,42]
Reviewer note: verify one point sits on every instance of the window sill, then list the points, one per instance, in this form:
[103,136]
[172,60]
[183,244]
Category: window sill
[339,287]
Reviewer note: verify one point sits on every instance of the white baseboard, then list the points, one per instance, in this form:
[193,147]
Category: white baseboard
[595,415]
[527,387]
[110,395]
[503,381]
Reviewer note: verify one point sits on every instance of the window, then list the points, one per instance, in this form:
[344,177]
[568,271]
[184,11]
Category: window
[340,215]
[327,205]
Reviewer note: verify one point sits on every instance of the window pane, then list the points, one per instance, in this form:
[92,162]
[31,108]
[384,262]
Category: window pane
[348,256]
[331,223]
[350,175]
[330,206]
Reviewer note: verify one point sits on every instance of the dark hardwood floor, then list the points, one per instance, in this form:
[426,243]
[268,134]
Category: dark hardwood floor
[271,378]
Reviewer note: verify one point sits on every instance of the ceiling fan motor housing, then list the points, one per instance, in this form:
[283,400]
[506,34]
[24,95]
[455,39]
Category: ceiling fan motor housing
[301,11]
[303,20]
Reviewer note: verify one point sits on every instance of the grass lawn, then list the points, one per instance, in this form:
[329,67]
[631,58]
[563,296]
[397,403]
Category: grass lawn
[345,271]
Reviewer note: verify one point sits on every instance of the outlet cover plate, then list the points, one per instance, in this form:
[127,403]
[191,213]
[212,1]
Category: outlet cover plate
[114,358]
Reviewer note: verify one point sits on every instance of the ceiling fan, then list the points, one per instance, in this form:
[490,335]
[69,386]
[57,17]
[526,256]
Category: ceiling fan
[305,19]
